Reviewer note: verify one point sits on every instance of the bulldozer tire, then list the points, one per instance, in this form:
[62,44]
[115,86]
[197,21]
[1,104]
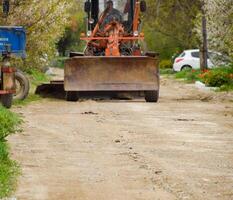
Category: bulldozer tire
[6,100]
[152,96]
[72,96]
[22,86]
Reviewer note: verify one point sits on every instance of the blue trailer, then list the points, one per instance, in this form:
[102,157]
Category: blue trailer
[12,43]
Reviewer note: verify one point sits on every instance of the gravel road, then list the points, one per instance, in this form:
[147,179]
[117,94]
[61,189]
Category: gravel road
[180,148]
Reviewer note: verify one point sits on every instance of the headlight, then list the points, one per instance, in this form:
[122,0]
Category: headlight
[136,33]
[88,33]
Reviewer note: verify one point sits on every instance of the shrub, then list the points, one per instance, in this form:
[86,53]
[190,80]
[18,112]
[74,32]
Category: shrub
[218,77]
[165,64]
[45,23]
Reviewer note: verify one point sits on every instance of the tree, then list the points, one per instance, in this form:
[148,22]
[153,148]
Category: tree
[220,25]
[71,39]
[173,22]
[204,43]
[44,22]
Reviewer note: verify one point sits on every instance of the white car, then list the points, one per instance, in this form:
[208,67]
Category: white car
[189,59]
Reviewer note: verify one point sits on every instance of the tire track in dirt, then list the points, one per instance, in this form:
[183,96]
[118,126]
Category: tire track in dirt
[180,148]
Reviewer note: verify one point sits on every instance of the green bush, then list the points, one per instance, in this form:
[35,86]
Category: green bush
[9,123]
[165,64]
[221,77]
[218,77]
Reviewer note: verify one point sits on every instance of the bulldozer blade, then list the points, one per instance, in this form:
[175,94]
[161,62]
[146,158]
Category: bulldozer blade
[91,73]
[53,89]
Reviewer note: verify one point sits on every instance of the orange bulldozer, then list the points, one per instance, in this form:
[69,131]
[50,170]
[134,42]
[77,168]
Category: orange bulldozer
[113,59]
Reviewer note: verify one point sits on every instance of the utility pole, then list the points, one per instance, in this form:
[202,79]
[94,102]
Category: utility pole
[204,45]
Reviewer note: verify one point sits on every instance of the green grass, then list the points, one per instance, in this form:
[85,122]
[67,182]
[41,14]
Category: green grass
[168,71]
[31,98]
[226,88]
[189,76]
[9,123]
[37,77]
[9,169]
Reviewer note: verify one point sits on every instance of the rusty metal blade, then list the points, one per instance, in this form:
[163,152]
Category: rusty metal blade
[111,73]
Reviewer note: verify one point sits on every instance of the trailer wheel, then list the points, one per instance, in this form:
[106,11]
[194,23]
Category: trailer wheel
[72,96]
[6,100]
[22,86]
[152,96]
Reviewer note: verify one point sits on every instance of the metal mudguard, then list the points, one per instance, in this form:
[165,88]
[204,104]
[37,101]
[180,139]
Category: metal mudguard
[125,73]
[7,80]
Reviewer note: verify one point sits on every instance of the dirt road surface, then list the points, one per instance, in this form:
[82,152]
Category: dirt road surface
[180,148]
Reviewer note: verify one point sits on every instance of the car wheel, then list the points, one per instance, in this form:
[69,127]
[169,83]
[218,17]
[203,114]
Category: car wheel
[186,68]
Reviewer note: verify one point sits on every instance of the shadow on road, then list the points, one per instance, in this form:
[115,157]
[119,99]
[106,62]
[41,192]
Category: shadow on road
[56,90]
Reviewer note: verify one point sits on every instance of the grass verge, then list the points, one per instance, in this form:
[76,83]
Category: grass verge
[189,76]
[168,71]
[31,98]
[9,169]
[221,77]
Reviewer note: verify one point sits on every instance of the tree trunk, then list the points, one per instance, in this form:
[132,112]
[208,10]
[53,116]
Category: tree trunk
[204,47]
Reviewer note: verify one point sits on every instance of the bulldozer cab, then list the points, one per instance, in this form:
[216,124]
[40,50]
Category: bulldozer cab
[122,11]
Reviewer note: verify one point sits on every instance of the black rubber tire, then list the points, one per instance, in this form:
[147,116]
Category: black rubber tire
[152,96]
[24,86]
[186,68]
[72,96]
[6,100]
